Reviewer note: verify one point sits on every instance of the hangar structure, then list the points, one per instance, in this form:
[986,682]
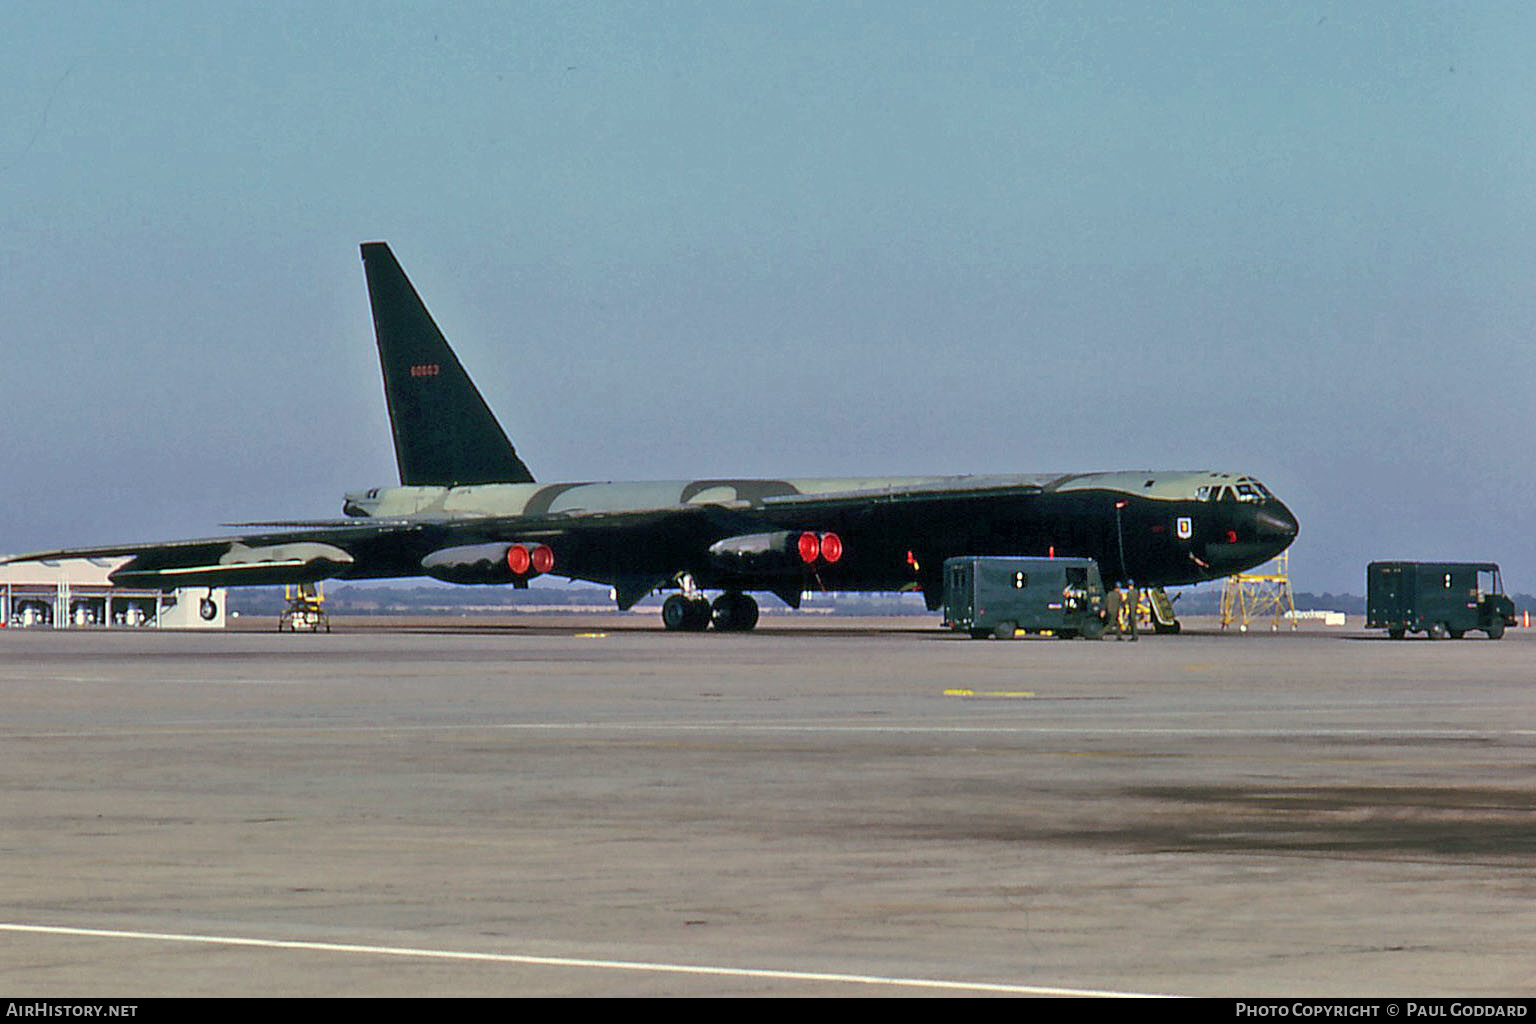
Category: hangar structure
[75,593]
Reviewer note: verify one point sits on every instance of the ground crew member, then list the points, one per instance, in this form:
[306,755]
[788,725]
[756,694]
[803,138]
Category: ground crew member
[1114,605]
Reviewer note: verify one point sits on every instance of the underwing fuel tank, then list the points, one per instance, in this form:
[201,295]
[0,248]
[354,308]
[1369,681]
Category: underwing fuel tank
[489,563]
[237,565]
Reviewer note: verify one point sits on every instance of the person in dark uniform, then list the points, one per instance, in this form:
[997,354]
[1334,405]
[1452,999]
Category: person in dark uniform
[1114,609]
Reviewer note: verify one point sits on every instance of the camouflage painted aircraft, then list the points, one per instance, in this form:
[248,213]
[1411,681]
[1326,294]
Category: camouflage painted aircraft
[469,511]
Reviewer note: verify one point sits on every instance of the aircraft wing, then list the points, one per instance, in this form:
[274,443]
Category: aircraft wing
[189,547]
[303,552]
[634,549]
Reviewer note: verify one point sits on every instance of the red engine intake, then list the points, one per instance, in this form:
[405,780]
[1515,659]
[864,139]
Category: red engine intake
[519,560]
[542,558]
[524,557]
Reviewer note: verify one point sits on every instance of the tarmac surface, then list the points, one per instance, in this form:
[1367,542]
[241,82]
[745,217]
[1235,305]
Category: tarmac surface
[595,807]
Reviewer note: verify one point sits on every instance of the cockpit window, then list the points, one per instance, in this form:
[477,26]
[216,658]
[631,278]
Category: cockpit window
[1251,490]
[1245,489]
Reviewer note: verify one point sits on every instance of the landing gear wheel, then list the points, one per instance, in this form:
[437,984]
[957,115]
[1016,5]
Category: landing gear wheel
[690,614]
[734,613]
[676,611]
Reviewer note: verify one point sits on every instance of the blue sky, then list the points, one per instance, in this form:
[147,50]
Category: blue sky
[779,238]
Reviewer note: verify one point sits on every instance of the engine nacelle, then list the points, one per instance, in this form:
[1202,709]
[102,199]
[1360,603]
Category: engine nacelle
[489,563]
[778,552]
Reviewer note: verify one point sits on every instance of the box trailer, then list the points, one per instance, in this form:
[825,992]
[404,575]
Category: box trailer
[1438,599]
[999,596]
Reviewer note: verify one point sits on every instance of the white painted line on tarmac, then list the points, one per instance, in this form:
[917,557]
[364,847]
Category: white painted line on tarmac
[555,961]
[1215,731]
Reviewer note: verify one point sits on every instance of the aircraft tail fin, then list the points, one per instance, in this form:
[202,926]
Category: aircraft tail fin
[445,434]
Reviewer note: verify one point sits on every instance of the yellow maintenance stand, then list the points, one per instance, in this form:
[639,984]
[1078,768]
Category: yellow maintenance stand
[1247,597]
[305,611]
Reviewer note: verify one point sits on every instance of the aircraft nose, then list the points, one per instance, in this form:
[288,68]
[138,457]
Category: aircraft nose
[1253,536]
[1275,524]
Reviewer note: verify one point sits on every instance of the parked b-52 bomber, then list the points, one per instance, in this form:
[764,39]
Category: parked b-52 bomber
[469,511]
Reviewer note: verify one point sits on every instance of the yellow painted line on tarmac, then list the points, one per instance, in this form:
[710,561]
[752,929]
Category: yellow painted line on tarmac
[590,636]
[988,693]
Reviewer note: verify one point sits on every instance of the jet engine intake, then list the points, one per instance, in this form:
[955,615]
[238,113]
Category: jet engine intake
[778,552]
[489,563]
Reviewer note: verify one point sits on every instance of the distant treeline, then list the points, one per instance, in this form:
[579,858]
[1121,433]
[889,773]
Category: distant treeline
[345,599]
[1207,601]
[342,599]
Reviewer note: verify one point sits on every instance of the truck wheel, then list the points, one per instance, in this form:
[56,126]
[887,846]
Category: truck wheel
[1396,632]
[1456,634]
[1004,631]
[1496,629]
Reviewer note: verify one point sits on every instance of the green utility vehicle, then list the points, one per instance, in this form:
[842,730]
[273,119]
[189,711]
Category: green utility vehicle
[998,597]
[1438,599]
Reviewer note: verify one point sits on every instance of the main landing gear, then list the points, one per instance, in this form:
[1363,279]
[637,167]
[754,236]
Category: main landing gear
[731,612]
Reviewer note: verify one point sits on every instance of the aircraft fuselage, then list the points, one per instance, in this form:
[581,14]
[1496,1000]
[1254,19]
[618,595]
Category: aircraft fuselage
[1151,528]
